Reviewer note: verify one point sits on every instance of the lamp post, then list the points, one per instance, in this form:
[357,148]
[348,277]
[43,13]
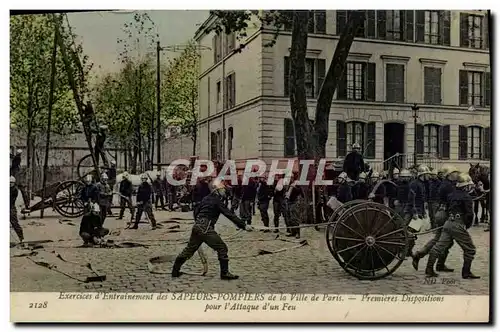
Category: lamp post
[158,107]
[415,109]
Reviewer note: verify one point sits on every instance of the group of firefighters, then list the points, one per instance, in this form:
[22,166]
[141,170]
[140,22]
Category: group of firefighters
[445,194]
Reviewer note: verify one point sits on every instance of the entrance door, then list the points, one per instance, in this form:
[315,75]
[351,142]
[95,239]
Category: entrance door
[394,139]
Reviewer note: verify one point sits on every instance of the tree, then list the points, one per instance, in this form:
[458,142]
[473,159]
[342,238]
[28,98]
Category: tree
[180,92]
[311,139]
[31,49]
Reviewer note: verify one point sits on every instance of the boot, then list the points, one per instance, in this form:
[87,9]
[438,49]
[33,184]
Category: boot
[224,271]
[416,259]
[176,269]
[297,233]
[441,266]
[136,226]
[466,273]
[429,270]
[410,247]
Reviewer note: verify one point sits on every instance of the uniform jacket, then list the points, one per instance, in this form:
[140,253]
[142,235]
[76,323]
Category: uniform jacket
[416,198]
[126,187]
[295,193]
[111,173]
[380,193]
[15,165]
[249,192]
[445,189]
[344,192]
[13,196]
[403,191]
[360,190]
[200,191]
[144,193]
[157,186]
[354,163]
[89,192]
[211,207]
[264,192]
[105,193]
[434,185]
[460,202]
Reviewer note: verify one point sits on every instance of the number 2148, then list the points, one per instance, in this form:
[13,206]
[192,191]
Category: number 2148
[40,305]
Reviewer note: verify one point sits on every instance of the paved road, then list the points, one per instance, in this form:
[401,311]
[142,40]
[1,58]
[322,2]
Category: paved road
[309,269]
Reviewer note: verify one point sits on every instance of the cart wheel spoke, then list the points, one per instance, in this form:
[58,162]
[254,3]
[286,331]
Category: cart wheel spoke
[349,239]
[351,247]
[354,256]
[392,243]
[383,226]
[352,230]
[357,221]
[393,255]
[373,264]
[390,233]
[381,259]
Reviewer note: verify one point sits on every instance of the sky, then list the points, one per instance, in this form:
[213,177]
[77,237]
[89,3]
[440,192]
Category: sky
[98,32]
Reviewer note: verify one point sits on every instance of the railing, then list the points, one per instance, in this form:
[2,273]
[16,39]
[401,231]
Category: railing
[402,160]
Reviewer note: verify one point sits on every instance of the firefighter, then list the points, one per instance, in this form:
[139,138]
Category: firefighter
[264,195]
[14,221]
[200,190]
[126,197]
[99,144]
[354,163]
[402,193]
[203,231]
[460,218]
[278,202]
[395,174]
[446,188]
[15,166]
[433,196]
[361,189]
[91,230]
[344,190]
[158,191]
[144,202]
[379,195]
[236,195]
[105,194]
[248,196]
[294,193]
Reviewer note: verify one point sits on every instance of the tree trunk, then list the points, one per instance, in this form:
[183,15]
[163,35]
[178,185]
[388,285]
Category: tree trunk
[331,81]
[194,133]
[298,98]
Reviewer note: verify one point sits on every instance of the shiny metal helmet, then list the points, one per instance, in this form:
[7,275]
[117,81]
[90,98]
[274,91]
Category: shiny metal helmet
[144,177]
[219,186]
[12,180]
[158,174]
[423,170]
[125,175]
[375,175]
[104,176]
[405,173]
[112,163]
[342,176]
[19,151]
[362,176]
[395,172]
[448,169]
[356,146]
[463,180]
[88,179]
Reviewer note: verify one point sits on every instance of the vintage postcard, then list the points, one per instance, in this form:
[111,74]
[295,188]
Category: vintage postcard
[250,166]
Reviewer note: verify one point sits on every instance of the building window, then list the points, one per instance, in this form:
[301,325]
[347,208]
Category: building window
[432,85]
[213,145]
[473,90]
[431,140]
[230,91]
[314,76]
[474,142]
[394,25]
[431,30]
[352,132]
[358,82]
[366,30]
[472,31]
[230,136]
[217,48]
[230,43]
[395,83]
[356,134]
[316,24]
[219,145]
[209,97]
[218,92]
[289,139]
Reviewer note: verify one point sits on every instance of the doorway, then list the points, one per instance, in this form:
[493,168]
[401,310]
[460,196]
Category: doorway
[394,139]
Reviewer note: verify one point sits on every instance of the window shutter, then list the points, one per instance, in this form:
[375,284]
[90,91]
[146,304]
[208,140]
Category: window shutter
[341,139]
[214,47]
[445,27]
[462,142]
[487,89]
[437,87]
[370,141]
[420,26]
[409,17]
[342,86]
[289,138]
[370,24]
[428,89]
[361,31]
[445,142]
[341,20]
[463,87]
[320,18]
[225,93]
[487,143]
[321,64]
[310,22]
[381,24]
[486,32]
[419,131]
[464,30]
[213,145]
[370,82]
[233,90]
[286,79]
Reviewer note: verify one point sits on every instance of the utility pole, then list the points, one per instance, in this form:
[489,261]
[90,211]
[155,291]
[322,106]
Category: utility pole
[415,109]
[158,133]
[49,121]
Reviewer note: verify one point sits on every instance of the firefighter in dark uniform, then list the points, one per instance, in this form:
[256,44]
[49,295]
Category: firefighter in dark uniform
[144,202]
[15,165]
[171,191]
[248,195]
[203,231]
[354,163]
[200,190]
[91,230]
[392,189]
[361,189]
[415,207]
[236,195]
[446,188]
[105,196]
[111,172]
[344,190]
[99,144]
[14,221]
[433,196]
[294,193]
[379,196]
[264,194]
[460,218]
[158,191]
[278,202]
[403,192]
[126,197]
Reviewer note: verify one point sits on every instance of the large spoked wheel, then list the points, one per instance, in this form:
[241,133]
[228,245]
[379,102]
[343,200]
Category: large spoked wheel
[332,221]
[85,166]
[67,200]
[369,240]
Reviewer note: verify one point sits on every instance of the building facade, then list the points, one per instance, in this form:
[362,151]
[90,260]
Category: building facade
[438,60]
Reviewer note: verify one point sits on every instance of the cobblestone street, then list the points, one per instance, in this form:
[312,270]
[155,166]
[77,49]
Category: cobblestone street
[308,269]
